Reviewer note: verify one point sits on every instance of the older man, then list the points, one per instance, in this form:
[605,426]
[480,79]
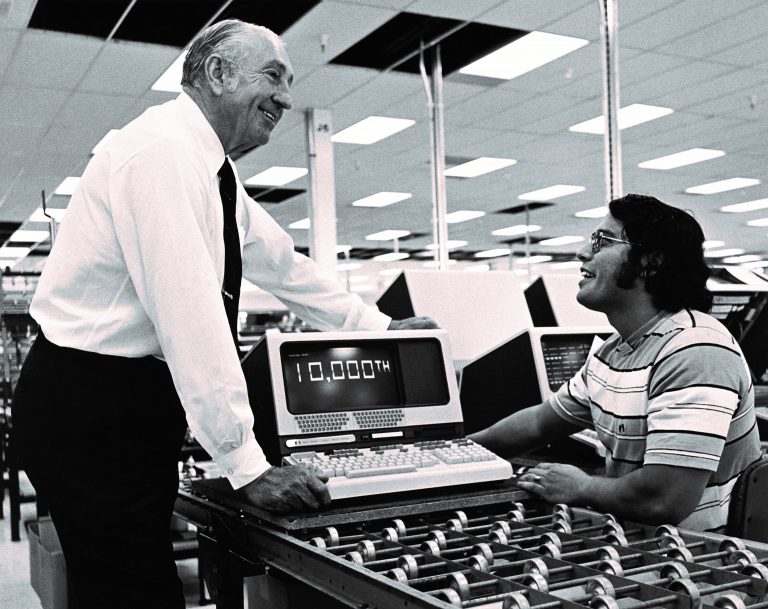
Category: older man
[670,394]
[137,310]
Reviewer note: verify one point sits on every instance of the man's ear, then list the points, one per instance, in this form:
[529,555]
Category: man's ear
[650,264]
[215,74]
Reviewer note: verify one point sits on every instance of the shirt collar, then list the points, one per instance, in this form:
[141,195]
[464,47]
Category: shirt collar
[209,144]
[634,340]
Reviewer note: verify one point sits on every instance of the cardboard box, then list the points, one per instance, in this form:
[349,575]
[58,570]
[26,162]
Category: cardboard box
[47,569]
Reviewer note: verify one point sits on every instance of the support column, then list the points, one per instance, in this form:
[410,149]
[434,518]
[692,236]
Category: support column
[609,35]
[321,206]
[434,92]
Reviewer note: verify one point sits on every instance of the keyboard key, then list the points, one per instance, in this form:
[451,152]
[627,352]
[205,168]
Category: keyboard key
[377,471]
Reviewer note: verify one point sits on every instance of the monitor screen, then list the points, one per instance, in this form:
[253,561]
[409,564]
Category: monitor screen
[349,378]
[328,376]
[564,355]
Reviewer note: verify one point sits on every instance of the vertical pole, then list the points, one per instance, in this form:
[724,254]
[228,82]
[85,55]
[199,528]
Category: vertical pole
[609,34]
[321,202]
[439,200]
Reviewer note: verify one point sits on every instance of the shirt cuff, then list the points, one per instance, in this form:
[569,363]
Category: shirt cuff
[244,464]
[371,319]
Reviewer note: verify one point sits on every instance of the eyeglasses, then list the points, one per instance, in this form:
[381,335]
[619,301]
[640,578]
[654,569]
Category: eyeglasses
[598,239]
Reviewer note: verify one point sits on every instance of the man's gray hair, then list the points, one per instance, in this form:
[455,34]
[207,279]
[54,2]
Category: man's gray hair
[227,38]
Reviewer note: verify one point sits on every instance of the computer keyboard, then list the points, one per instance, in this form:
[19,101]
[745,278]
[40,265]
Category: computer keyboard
[356,472]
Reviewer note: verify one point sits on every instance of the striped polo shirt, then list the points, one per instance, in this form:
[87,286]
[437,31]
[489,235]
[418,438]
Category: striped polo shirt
[677,392]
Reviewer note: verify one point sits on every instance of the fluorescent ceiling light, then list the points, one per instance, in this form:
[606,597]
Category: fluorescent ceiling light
[343,249]
[551,192]
[348,266]
[388,235]
[628,116]
[431,264]
[595,212]
[533,259]
[300,224]
[108,136]
[493,253]
[722,186]
[67,187]
[170,80]
[517,229]
[39,216]
[738,208]
[478,167]
[276,176]
[712,243]
[463,215]
[391,271]
[523,55]
[742,259]
[680,159]
[391,256]
[756,265]
[758,222]
[29,236]
[450,244]
[382,199]
[371,130]
[5,263]
[366,287]
[568,264]
[564,240]
[728,251]
[9,251]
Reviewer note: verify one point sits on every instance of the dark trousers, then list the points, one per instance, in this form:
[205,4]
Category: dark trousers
[99,437]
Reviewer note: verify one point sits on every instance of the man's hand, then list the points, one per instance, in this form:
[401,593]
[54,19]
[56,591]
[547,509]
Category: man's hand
[556,482]
[293,488]
[413,323]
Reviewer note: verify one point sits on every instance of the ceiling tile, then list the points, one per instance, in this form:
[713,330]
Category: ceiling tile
[47,59]
[128,67]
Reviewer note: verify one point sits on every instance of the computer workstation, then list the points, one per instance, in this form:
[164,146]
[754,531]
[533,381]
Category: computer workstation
[376,412]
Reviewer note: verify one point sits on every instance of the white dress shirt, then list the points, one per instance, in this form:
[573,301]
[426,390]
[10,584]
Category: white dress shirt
[138,264]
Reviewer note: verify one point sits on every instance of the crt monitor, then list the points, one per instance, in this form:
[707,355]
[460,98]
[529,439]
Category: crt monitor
[327,390]
[744,311]
[523,371]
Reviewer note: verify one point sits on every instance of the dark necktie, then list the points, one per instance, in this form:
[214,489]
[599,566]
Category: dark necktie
[233,264]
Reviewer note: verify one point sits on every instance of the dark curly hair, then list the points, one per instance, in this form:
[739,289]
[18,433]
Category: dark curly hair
[666,251]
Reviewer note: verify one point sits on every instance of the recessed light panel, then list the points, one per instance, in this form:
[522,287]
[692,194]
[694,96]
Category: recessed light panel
[741,259]
[629,116]
[518,229]
[391,256]
[493,253]
[595,212]
[478,167]
[680,159]
[523,55]
[8,251]
[712,243]
[371,130]
[737,208]
[564,240]
[382,199]
[67,187]
[712,188]
[302,224]
[276,176]
[533,259]
[38,215]
[758,222]
[29,236]
[728,251]
[551,192]
[463,215]
[388,235]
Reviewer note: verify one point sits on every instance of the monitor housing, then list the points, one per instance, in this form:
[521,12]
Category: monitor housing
[328,390]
